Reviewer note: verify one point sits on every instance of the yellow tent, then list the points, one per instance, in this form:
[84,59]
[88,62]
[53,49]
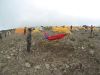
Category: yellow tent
[61,29]
[36,30]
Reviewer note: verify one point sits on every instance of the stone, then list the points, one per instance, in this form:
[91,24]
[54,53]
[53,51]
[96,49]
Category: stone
[91,52]
[14,50]
[47,66]
[8,57]
[33,43]
[66,65]
[11,54]
[43,59]
[37,67]
[2,65]
[2,52]
[83,47]
[27,65]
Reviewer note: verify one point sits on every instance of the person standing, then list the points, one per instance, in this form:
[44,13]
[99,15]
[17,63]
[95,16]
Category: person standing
[25,31]
[0,35]
[5,34]
[71,27]
[42,29]
[92,30]
[29,38]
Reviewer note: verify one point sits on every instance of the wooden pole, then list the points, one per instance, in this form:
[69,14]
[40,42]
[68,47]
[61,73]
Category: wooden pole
[29,38]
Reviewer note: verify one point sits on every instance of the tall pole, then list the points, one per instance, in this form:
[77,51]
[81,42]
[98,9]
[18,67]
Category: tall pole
[29,37]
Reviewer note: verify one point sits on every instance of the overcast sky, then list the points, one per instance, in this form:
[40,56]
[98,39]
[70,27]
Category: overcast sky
[15,13]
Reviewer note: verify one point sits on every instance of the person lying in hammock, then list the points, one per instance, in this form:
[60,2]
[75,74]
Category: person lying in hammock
[54,37]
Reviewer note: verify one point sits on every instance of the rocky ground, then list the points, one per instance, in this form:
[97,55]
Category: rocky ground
[77,55]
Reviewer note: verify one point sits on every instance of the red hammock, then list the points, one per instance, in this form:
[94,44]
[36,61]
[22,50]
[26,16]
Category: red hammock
[55,37]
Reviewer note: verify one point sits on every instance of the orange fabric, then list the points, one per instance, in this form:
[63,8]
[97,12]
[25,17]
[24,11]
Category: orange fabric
[19,30]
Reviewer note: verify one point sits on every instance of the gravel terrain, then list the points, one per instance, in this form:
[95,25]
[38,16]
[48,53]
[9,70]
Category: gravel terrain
[77,55]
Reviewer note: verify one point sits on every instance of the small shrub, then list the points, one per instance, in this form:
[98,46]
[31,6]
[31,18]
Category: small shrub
[85,40]
[96,35]
[72,39]
[91,46]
